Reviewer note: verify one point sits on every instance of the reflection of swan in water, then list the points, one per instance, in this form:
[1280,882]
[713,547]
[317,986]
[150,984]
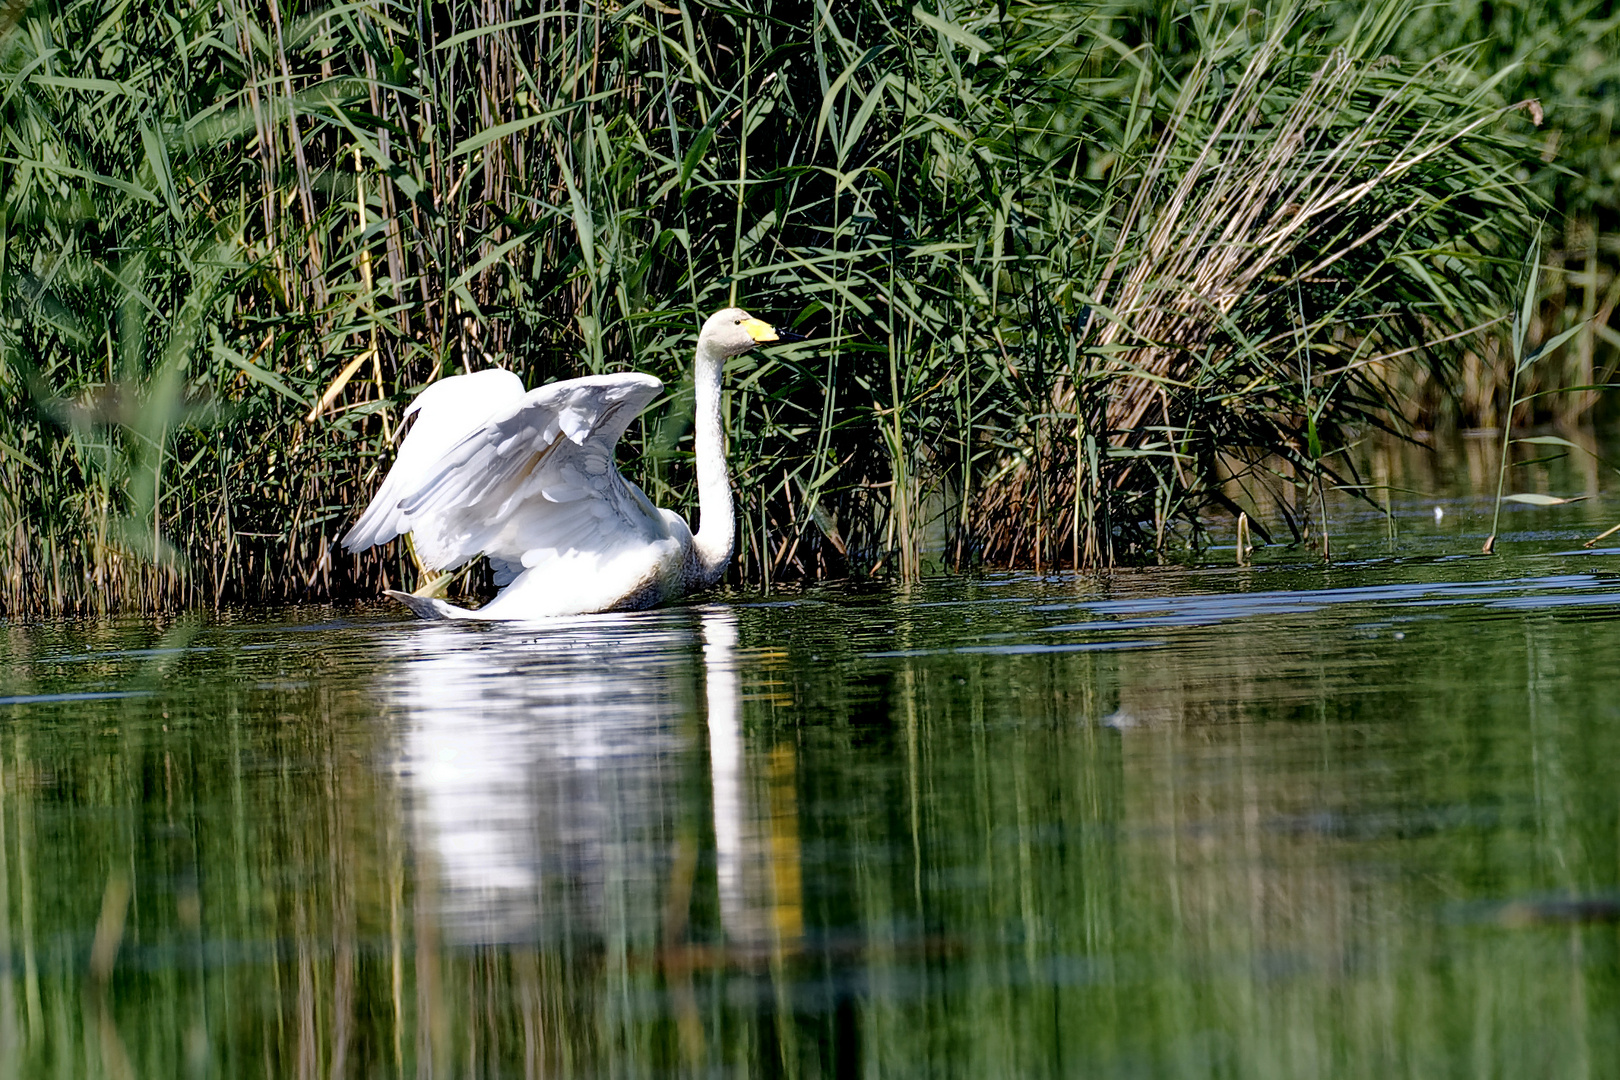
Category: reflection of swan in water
[756,828]
[540,773]
[548,777]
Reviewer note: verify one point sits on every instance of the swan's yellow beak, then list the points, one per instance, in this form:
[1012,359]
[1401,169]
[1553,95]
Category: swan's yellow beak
[760,330]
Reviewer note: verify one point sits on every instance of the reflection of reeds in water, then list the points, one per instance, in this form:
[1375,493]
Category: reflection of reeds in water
[1287,839]
[941,862]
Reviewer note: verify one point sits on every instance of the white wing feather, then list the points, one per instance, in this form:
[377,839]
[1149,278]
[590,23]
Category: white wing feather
[446,413]
[528,483]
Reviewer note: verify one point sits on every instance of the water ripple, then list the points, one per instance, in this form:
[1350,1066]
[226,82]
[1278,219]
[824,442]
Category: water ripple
[1208,609]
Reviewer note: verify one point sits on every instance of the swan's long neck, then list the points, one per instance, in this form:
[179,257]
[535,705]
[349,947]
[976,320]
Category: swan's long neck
[712,543]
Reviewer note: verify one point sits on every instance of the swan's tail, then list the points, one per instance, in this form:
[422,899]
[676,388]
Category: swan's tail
[428,607]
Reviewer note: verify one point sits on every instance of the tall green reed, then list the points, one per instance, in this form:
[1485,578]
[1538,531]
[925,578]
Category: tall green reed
[1523,360]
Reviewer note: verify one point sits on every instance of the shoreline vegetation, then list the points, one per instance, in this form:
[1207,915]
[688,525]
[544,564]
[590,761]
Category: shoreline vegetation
[1081,281]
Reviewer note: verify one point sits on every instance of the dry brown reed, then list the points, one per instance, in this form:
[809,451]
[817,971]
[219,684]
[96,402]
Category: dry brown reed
[1247,300]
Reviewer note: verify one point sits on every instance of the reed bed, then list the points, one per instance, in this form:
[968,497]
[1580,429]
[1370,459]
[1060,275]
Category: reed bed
[1301,219]
[1072,274]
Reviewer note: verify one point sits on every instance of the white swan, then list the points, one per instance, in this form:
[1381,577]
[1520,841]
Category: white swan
[528,479]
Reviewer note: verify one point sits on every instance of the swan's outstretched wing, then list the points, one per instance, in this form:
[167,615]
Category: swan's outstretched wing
[537,478]
[446,413]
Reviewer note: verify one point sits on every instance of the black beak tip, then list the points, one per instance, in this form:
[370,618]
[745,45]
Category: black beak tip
[788,335]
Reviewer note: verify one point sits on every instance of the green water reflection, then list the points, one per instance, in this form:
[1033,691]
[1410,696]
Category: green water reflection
[1290,821]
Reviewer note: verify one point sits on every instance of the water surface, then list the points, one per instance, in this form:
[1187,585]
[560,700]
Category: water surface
[1359,819]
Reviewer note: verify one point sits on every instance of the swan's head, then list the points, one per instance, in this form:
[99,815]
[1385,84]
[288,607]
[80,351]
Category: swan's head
[732,332]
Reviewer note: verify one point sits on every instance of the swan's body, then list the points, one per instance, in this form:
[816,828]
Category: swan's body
[528,479]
